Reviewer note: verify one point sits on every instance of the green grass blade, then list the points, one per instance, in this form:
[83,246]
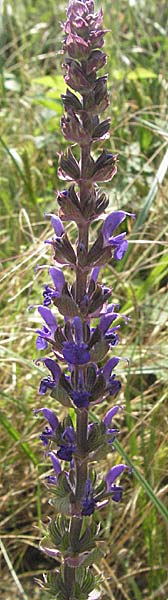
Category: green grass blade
[144,484]
[12,571]
[158,179]
[18,163]
[16,436]
[152,192]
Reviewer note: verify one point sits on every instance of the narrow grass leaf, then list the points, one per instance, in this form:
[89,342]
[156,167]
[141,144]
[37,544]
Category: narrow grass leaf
[15,435]
[12,571]
[144,484]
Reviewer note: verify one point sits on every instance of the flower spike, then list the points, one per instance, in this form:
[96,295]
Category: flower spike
[80,329]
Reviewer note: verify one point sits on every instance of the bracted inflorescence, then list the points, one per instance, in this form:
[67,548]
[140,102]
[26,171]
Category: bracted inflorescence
[81,361]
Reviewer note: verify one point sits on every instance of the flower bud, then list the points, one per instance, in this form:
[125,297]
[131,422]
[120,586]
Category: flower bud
[71,102]
[77,47]
[69,206]
[73,130]
[96,61]
[101,130]
[64,250]
[105,167]
[97,38]
[98,101]
[75,78]
[68,167]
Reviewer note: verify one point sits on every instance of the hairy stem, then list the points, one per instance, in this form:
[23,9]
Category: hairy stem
[81,273]
[82,415]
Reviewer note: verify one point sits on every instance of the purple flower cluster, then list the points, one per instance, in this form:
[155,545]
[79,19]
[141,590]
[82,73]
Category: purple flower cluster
[80,324]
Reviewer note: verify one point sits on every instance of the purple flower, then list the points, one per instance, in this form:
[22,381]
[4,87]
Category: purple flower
[47,382]
[46,333]
[74,77]
[107,421]
[57,468]
[88,502]
[57,225]
[81,398]
[76,354]
[112,488]
[49,432]
[58,228]
[68,446]
[73,130]
[106,320]
[59,281]
[76,46]
[109,334]
[112,385]
[95,274]
[118,242]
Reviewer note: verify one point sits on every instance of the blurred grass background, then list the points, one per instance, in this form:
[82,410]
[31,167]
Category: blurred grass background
[30,108]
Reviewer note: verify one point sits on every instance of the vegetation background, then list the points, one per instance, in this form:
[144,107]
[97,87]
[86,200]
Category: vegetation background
[31,81]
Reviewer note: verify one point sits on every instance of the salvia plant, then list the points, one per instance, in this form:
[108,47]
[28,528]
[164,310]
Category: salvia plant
[81,345]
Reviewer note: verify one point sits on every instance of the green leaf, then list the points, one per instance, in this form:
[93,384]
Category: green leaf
[83,588]
[141,73]
[61,503]
[59,532]
[94,556]
[55,585]
[56,82]
[62,492]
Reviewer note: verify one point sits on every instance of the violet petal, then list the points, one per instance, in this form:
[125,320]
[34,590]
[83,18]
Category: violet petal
[110,365]
[55,463]
[57,277]
[57,225]
[50,416]
[53,368]
[113,474]
[41,344]
[110,414]
[48,317]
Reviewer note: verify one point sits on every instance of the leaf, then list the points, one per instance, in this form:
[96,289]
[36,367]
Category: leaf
[53,106]
[62,492]
[17,159]
[141,73]
[99,352]
[62,504]
[61,396]
[55,585]
[56,82]
[94,556]
[67,306]
[49,548]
